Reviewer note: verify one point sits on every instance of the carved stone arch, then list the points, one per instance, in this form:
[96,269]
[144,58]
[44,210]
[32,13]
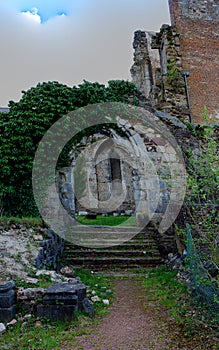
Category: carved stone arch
[142,146]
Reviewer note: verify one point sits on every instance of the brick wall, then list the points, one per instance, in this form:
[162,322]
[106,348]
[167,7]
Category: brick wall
[197,21]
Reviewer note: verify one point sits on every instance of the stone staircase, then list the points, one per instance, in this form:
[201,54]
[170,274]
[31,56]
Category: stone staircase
[140,251]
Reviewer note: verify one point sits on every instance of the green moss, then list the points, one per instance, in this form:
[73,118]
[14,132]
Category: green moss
[173,73]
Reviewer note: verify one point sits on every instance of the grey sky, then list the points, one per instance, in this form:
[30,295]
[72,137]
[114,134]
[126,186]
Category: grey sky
[92,43]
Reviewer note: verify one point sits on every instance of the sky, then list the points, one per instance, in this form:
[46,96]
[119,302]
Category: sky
[70,40]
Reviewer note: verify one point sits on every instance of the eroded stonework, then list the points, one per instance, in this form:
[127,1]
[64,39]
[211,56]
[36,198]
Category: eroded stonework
[130,170]
[200,9]
[189,45]
[157,70]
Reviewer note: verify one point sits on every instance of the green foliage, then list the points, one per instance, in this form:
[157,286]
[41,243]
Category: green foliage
[203,189]
[166,289]
[163,289]
[23,127]
[89,93]
[122,91]
[30,222]
[21,132]
[173,73]
[203,290]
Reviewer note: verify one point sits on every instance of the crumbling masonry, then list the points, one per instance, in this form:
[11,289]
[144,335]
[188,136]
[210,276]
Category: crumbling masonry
[190,44]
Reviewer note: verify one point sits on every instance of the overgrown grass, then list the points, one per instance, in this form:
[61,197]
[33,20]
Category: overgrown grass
[100,220]
[163,288]
[107,220]
[166,289]
[28,222]
[50,335]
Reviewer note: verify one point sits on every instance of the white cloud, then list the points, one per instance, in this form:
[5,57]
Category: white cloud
[32,15]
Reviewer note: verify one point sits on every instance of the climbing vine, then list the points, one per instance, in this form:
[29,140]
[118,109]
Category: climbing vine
[203,190]
[28,120]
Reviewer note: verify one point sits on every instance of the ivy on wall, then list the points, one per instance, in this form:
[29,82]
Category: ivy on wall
[23,127]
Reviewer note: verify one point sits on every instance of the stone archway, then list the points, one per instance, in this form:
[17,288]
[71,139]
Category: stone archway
[154,160]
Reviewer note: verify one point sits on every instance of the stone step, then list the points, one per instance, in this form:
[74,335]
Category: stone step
[103,262]
[110,242]
[105,229]
[120,247]
[128,245]
[83,233]
[111,253]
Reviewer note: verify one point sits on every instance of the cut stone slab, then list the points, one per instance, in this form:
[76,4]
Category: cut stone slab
[60,299]
[67,290]
[7,314]
[57,312]
[5,286]
[7,299]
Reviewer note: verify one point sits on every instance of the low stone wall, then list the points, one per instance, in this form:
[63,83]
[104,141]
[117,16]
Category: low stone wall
[58,302]
[50,251]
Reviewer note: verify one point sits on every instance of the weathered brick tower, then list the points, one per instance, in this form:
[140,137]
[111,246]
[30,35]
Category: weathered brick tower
[197,22]
[190,44]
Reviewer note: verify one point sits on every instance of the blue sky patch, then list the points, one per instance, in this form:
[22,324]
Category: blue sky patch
[47,9]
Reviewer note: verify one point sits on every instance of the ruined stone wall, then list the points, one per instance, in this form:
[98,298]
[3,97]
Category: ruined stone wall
[169,92]
[197,22]
[141,70]
[157,71]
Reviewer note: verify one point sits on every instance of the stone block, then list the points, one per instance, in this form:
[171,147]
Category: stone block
[67,290]
[60,299]
[7,314]
[7,299]
[87,307]
[57,312]
[6,286]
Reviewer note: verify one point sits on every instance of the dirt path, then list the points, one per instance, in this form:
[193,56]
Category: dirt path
[130,325]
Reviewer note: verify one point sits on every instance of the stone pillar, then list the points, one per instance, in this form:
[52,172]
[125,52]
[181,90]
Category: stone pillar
[7,301]
[141,70]
[103,180]
[92,187]
[66,189]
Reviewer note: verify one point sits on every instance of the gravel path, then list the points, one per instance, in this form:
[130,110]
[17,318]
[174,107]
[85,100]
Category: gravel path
[130,325]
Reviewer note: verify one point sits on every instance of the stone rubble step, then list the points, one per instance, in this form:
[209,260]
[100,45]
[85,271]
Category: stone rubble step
[109,241]
[118,261]
[128,246]
[112,253]
[119,229]
[119,247]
